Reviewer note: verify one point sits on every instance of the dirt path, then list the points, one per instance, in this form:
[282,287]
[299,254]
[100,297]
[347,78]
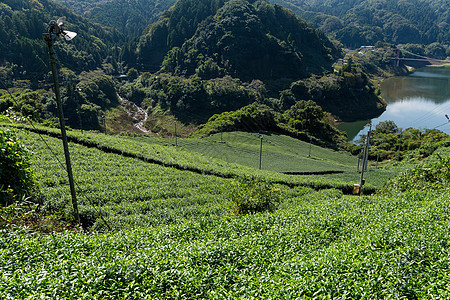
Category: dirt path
[136,112]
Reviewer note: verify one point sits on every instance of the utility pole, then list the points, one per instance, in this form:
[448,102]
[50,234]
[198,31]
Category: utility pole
[104,122]
[367,150]
[399,147]
[310,145]
[54,32]
[176,142]
[76,91]
[221,132]
[365,158]
[260,150]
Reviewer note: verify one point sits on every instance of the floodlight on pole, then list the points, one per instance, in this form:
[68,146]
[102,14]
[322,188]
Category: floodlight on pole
[55,31]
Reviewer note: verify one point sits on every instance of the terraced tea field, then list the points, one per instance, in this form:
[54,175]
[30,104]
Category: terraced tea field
[174,236]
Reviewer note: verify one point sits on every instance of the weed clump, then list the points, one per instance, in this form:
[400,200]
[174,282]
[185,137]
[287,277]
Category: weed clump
[251,195]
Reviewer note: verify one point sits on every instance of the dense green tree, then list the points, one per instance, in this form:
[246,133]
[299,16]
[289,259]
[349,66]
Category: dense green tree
[28,103]
[387,140]
[340,95]
[309,117]
[354,22]
[238,38]
[22,24]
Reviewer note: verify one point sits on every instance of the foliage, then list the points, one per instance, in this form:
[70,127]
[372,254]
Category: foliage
[16,177]
[388,142]
[252,195]
[111,160]
[21,47]
[375,61]
[86,99]
[304,120]
[428,176]
[341,94]
[280,153]
[365,22]
[252,41]
[28,103]
[250,118]
[316,245]
[191,99]
[26,215]
[238,38]
[175,238]
[129,17]
[309,117]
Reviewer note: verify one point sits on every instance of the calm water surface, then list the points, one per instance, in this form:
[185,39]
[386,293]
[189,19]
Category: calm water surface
[420,100]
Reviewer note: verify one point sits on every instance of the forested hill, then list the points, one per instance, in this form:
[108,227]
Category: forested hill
[245,39]
[207,56]
[130,17]
[365,22]
[24,54]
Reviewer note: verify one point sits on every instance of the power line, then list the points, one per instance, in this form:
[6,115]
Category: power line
[439,109]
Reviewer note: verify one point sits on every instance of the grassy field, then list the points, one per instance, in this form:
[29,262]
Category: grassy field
[175,237]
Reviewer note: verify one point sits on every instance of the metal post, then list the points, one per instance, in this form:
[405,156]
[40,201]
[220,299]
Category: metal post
[49,41]
[399,147]
[75,92]
[365,157]
[260,151]
[359,157]
[368,145]
[176,142]
[310,145]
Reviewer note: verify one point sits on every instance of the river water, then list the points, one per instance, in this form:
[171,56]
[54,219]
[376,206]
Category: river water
[419,100]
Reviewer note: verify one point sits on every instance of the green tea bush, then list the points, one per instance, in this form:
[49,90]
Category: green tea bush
[251,195]
[431,176]
[15,173]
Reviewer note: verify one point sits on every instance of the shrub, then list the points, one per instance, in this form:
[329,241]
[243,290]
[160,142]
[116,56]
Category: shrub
[431,176]
[252,194]
[15,173]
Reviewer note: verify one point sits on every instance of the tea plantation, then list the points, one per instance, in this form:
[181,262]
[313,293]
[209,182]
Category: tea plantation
[178,230]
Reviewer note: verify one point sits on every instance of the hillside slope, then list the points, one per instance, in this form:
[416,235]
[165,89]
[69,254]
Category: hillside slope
[364,22]
[244,39]
[24,54]
[174,234]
